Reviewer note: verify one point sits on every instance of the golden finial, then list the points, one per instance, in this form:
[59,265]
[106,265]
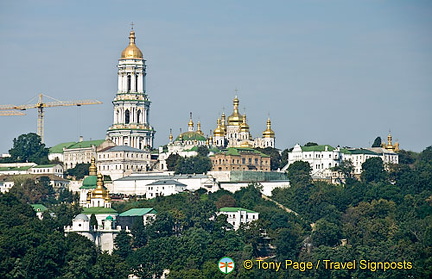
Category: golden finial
[92,168]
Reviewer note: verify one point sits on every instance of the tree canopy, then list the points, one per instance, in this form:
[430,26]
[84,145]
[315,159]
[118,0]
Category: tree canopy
[29,148]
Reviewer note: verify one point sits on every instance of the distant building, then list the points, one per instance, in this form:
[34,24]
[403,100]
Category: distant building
[129,217]
[165,187]
[237,216]
[39,209]
[240,158]
[119,161]
[322,158]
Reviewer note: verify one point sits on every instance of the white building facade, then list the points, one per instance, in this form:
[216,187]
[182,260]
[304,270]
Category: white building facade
[237,216]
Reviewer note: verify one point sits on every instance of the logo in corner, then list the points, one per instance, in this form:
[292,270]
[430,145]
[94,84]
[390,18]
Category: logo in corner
[226,265]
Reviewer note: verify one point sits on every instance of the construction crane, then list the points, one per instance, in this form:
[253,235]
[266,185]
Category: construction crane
[11,112]
[41,105]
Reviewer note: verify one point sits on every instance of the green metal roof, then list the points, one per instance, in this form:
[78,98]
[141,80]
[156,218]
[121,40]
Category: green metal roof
[86,144]
[138,212]
[44,166]
[89,182]
[99,210]
[237,151]
[15,168]
[359,151]
[39,207]
[235,209]
[59,147]
[191,136]
[317,148]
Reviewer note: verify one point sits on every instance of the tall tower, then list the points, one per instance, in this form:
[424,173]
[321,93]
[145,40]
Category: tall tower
[131,105]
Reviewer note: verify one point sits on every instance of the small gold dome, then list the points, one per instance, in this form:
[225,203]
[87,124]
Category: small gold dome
[131,51]
[92,168]
[268,133]
[235,119]
[244,127]
[100,192]
[218,132]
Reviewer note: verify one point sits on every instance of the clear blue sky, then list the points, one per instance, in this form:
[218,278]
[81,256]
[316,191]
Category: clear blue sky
[332,72]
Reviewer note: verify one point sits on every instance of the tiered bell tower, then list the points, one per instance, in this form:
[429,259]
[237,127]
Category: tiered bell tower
[131,124]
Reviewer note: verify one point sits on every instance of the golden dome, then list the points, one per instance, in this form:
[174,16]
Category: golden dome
[218,132]
[268,133]
[244,127]
[100,192]
[92,168]
[235,119]
[199,129]
[131,51]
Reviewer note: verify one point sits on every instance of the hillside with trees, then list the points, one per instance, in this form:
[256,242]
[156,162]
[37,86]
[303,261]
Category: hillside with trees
[384,216]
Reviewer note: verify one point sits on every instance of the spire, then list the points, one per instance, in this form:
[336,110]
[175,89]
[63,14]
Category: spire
[199,129]
[190,124]
[92,168]
[171,136]
[268,133]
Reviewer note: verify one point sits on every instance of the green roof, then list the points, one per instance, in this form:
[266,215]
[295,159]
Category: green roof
[89,182]
[359,151]
[86,144]
[15,168]
[59,147]
[317,148]
[138,212]
[39,207]
[235,209]
[237,151]
[99,210]
[44,166]
[191,136]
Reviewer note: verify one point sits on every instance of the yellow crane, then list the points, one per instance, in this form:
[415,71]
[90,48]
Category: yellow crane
[41,105]
[11,112]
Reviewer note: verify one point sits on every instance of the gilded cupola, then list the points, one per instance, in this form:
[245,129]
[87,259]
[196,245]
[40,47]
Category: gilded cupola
[218,132]
[100,192]
[244,127]
[235,119]
[268,133]
[92,168]
[131,51]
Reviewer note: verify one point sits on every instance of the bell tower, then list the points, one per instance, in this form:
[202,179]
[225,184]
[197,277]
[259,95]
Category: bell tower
[131,124]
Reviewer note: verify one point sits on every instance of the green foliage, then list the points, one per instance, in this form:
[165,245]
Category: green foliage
[275,156]
[122,244]
[79,171]
[377,142]
[373,170]
[29,148]
[93,221]
[171,161]
[311,144]
[194,164]
[299,173]
[203,151]
[33,191]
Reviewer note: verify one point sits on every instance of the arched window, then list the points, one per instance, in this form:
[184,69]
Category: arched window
[128,83]
[138,116]
[127,116]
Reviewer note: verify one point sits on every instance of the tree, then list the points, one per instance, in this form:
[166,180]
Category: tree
[346,169]
[93,221]
[29,148]
[171,161]
[225,201]
[373,170]
[195,164]
[299,173]
[311,144]
[123,244]
[203,151]
[79,171]
[275,156]
[377,142]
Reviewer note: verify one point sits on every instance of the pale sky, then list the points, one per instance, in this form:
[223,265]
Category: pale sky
[332,72]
